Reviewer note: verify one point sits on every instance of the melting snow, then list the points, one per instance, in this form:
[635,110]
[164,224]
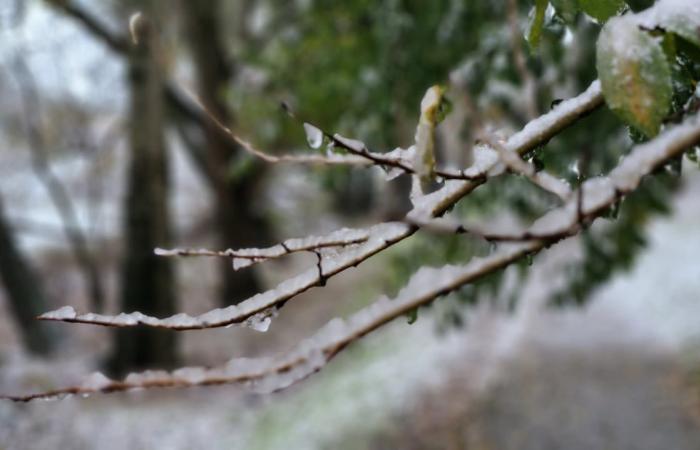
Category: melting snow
[314,136]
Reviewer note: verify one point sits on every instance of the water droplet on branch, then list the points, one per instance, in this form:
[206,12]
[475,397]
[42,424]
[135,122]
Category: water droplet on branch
[314,136]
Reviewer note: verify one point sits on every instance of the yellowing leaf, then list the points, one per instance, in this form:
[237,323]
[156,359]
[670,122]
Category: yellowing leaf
[424,158]
[634,74]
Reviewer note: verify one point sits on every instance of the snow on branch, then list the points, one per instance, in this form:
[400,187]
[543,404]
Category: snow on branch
[271,374]
[258,310]
[516,164]
[536,133]
[248,256]
[261,306]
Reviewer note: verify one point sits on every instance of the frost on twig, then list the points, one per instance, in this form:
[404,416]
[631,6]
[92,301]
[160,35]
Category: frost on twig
[516,164]
[248,256]
[275,373]
[535,133]
[381,236]
[271,374]
[377,238]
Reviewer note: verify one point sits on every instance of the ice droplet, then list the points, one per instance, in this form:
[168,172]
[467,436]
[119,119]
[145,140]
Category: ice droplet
[261,325]
[262,320]
[241,263]
[314,136]
[392,173]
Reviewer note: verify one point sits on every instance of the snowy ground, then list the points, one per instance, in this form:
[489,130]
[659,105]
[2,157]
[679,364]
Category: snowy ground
[605,376]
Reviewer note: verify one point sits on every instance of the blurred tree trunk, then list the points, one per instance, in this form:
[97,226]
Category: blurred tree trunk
[238,223]
[146,280]
[24,292]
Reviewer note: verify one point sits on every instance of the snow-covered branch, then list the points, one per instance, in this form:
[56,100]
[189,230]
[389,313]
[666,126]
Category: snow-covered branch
[260,308]
[248,256]
[270,374]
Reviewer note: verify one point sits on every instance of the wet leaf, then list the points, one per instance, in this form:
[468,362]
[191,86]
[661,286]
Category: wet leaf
[634,74]
[602,10]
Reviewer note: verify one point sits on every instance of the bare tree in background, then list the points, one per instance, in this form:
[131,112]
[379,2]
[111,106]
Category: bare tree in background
[24,291]
[146,281]
[57,191]
[238,224]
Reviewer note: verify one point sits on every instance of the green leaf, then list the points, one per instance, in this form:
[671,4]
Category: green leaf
[634,74]
[533,36]
[566,9]
[602,10]
[677,16]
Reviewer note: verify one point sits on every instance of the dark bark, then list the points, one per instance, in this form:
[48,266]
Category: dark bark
[238,223]
[24,292]
[147,281]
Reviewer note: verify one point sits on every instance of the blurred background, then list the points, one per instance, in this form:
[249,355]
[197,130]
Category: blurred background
[104,156]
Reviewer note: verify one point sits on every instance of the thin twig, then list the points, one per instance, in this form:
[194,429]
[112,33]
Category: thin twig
[423,288]
[381,236]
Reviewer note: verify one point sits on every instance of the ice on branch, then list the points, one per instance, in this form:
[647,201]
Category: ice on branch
[535,133]
[383,235]
[425,286]
[648,156]
[314,136]
[369,242]
[248,256]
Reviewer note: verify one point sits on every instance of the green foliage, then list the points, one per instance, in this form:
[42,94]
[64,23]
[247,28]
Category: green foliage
[533,36]
[635,74]
[566,9]
[360,68]
[602,10]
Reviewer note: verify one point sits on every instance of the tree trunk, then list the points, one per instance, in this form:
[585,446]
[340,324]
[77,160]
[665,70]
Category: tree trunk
[24,292]
[146,280]
[238,223]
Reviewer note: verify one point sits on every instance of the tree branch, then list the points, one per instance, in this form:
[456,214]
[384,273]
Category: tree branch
[381,236]
[114,41]
[270,374]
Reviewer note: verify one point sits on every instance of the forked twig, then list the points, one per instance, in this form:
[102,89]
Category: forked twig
[270,374]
